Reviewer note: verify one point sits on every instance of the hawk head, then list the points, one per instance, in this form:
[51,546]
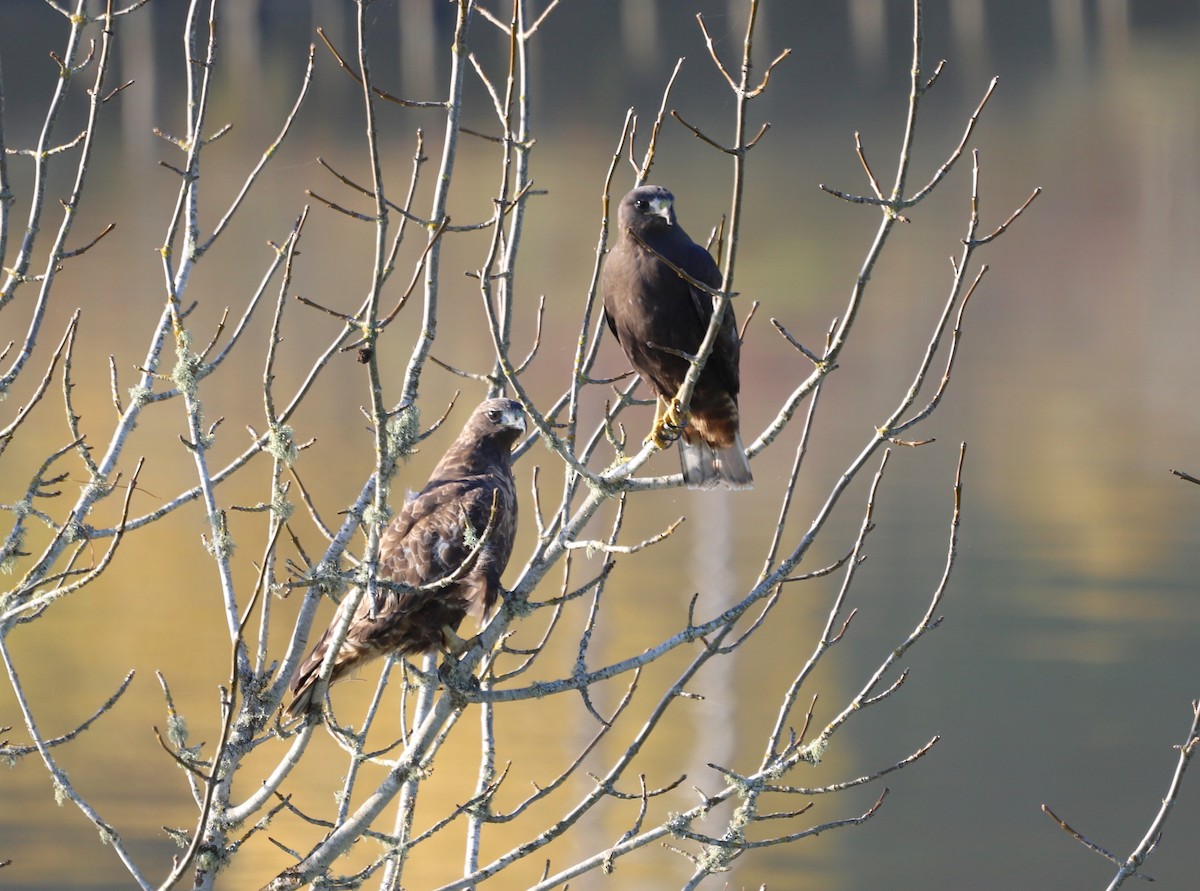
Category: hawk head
[500,419]
[647,208]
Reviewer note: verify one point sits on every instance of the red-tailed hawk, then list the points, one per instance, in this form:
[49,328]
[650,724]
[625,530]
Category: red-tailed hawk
[459,529]
[652,311]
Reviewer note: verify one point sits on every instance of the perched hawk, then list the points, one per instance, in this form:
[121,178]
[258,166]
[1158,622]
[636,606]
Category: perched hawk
[655,315]
[460,527]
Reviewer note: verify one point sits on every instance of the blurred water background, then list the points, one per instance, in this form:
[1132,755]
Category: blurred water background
[1068,656]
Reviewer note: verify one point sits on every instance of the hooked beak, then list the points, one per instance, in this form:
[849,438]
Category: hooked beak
[514,418]
[663,207]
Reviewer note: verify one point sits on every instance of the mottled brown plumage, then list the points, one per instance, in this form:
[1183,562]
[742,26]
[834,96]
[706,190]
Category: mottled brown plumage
[653,311]
[432,539]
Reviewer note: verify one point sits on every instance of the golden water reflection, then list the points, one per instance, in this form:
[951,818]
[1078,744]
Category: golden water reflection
[1066,660]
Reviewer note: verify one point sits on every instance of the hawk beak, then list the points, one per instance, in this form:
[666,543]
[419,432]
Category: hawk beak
[662,207]
[515,420]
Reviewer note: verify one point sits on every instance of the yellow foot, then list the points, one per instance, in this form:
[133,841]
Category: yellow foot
[669,423]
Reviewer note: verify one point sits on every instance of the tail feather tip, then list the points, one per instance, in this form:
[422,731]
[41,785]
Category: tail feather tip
[705,467]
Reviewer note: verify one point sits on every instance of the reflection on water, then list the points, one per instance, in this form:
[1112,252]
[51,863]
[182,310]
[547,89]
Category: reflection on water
[1067,658]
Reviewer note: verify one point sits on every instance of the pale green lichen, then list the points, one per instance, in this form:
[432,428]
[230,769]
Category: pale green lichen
[280,506]
[177,730]
[74,531]
[221,545]
[327,579]
[138,395]
[8,559]
[676,823]
[361,576]
[281,443]
[60,790]
[401,434]
[815,750]
[186,372]
[403,430]
[96,490]
[207,860]
[470,537]
[715,859]
[376,516]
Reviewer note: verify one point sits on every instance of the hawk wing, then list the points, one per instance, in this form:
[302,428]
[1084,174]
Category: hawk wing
[440,559]
[434,537]
[450,528]
[647,302]
[723,361]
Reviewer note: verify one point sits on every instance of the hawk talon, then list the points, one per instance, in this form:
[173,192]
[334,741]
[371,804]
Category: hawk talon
[669,424]
[661,437]
[452,676]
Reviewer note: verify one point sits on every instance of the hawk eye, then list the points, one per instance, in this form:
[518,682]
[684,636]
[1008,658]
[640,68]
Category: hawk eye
[642,204]
[494,415]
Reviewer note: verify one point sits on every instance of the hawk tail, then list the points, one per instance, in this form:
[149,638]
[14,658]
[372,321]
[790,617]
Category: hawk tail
[306,697]
[706,466]
[302,702]
[304,685]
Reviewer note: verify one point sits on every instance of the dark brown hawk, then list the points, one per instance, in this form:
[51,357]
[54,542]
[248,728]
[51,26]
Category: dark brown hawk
[459,529]
[656,314]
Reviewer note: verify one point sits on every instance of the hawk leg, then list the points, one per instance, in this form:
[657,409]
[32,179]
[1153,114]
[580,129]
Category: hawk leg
[669,423]
[453,644]
[451,672]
